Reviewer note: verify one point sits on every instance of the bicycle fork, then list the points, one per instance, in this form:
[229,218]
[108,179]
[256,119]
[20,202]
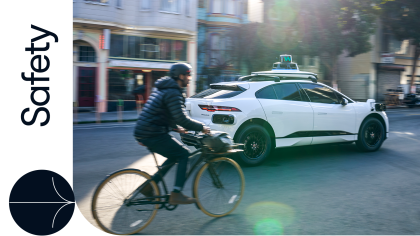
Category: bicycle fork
[214,176]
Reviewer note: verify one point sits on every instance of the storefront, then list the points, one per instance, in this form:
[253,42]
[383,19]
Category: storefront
[125,76]
[138,61]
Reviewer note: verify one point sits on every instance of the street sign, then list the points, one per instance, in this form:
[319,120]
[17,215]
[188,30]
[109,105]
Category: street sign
[387,58]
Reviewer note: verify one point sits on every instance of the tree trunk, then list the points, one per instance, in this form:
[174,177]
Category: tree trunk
[414,67]
[334,72]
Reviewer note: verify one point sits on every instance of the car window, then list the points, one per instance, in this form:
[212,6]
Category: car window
[319,93]
[216,93]
[287,92]
[266,93]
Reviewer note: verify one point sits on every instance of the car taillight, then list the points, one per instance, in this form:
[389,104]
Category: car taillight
[211,108]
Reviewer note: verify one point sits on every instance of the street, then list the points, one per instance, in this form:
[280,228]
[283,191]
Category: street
[326,189]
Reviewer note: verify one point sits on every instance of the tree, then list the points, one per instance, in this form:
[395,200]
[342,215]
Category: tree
[402,18]
[330,27]
[306,27]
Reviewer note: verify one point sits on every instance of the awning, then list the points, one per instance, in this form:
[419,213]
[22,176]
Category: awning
[140,64]
[386,66]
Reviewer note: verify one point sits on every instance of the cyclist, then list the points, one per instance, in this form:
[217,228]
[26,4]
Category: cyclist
[164,112]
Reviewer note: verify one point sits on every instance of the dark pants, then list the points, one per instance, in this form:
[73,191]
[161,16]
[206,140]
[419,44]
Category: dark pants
[169,147]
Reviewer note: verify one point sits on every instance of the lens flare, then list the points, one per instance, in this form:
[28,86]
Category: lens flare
[269,217]
[268,227]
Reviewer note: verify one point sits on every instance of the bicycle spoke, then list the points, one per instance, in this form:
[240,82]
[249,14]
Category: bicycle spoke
[220,199]
[110,210]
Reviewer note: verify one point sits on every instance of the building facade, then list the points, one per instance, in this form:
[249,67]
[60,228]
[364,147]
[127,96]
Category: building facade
[384,73]
[216,18]
[119,45]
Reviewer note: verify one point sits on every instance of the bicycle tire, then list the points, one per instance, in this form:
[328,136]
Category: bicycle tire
[221,201]
[114,190]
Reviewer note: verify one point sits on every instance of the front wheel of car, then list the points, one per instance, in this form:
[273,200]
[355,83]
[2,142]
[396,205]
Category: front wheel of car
[371,135]
[257,145]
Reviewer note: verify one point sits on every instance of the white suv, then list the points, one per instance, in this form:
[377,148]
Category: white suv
[283,108]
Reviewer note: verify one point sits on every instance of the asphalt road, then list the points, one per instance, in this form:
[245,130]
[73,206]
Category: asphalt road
[328,189]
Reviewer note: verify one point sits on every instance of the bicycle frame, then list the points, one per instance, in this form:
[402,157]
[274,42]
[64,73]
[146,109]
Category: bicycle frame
[204,157]
[143,201]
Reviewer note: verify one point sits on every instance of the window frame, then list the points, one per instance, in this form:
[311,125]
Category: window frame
[212,11]
[94,54]
[145,9]
[178,7]
[188,8]
[119,4]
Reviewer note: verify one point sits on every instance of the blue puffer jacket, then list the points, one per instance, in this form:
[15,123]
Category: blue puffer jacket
[163,111]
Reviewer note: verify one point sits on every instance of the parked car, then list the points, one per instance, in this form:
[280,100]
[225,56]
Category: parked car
[287,107]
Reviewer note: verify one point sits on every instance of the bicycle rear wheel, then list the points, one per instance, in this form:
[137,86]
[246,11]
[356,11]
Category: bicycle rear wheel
[109,203]
[219,186]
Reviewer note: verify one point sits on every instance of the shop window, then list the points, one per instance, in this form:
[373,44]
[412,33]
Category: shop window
[165,47]
[87,54]
[133,48]
[180,50]
[170,5]
[150,48]
[121,84]
[117,45]
[217,6]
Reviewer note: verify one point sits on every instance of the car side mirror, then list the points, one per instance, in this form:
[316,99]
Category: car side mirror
[344,101]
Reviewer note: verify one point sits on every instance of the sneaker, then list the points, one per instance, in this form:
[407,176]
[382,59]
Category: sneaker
[147,191]
[179,198]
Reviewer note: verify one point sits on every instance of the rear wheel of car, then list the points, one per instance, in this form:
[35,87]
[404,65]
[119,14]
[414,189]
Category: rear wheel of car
[371,135]
[257,145]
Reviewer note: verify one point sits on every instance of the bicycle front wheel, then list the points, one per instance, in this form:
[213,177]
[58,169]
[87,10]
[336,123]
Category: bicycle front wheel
[110,206]
[219,186]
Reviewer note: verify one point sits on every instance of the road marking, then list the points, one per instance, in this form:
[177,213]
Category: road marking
[103,127]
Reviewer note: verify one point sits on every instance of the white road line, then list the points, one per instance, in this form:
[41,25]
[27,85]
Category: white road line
[103,127]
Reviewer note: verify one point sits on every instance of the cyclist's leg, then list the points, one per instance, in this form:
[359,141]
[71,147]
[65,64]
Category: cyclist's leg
[169,147]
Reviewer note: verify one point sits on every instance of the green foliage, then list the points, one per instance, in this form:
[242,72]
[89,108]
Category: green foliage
[307,27]
[402,17]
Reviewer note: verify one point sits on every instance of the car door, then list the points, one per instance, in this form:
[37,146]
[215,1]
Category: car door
[333,122]
[287,112]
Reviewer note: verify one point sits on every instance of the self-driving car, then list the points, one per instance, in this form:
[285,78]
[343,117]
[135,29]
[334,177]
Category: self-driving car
[287,107]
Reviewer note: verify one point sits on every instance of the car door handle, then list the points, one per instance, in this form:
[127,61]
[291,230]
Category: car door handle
[322,113]
[277,112]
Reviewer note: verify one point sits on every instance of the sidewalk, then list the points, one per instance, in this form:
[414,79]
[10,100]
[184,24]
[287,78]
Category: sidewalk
[91,117]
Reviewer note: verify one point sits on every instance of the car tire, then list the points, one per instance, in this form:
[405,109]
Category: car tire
[257,145]
[371,135]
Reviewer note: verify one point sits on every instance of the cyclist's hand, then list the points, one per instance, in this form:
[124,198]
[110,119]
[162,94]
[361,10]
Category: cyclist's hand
[206,130]
[181,130]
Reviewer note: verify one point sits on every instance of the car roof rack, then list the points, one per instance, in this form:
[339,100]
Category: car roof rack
[264,77]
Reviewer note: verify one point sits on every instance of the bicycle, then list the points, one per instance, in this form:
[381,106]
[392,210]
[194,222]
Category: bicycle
[119,207]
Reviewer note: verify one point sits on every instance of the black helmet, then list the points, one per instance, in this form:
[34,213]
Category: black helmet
[180,69]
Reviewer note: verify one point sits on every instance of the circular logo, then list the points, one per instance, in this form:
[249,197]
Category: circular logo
[41,202]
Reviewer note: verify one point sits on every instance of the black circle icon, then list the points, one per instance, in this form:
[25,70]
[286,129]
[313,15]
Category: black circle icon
[41,202]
